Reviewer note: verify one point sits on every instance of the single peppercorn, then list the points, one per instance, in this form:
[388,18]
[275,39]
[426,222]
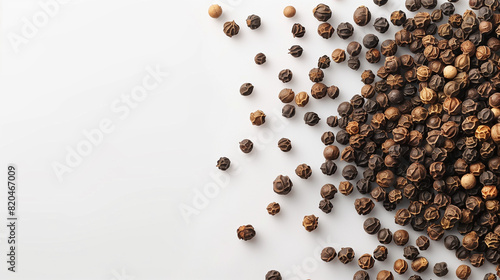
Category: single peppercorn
[246,232]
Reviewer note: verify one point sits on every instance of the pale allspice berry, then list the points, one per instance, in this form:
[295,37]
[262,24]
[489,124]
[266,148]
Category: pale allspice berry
[214,11]
[289,11]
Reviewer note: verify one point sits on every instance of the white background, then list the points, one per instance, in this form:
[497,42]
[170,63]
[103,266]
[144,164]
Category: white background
[117,215]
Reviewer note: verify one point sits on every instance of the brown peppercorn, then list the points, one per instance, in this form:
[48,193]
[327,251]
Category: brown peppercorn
[428,96]
[328,254]
[423,73]
[310,222]
[316,75]
[352,128]
[419,264]
[373,56]
[298,31]
[328,191]
[322,12]
[363,206]
[346,255]
[260,59]
[366,261]
[346,188]
[402,217]
[471,241]
[282,185]
[325,30]
[331,152]
[400,266]
[273,208]
[385,275]
[338,55]
[285,144]
[354,48]
[384,236]
[246,146]
[435,232]
[231,28]
[495,133]
[246,232]
[285,75]
[289,11]
[463,272]
[286,95]
[303,171]
[301,99]
[422,242]
[362,16]
[483,52]
[489,192]
[367,77]
[483,132]
[388,48]
[258,118]
[318,90]
[401,237]
[380,253]
[462,62]
[416,172]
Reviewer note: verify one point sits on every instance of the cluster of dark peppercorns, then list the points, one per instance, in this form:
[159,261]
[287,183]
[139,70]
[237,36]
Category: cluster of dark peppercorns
[427,131]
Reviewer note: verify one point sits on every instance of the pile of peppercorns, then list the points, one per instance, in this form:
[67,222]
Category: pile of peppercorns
[427,131]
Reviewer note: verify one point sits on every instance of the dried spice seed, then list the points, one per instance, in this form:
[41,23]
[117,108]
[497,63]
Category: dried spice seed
[362,16]
[289,11]
[282,185]
[246,232]
[322,12]
[419,264]
[345,30]
[400,266]
[246,89]
[380,253]
[384,236]
[346,255]
[310,222]
[285,144]
[366,261]
[273,275]
[463,272]
[440,269]
[231,29]
[223,163]
[328,254]
[401,237]
[371,225]
[361,275]
[295,51]
[258,118]
[298,31]
[422,242]
[273,208]
[303,171]
[311,118]
[260,59]
[246,146]
[215,11]
[253,21]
